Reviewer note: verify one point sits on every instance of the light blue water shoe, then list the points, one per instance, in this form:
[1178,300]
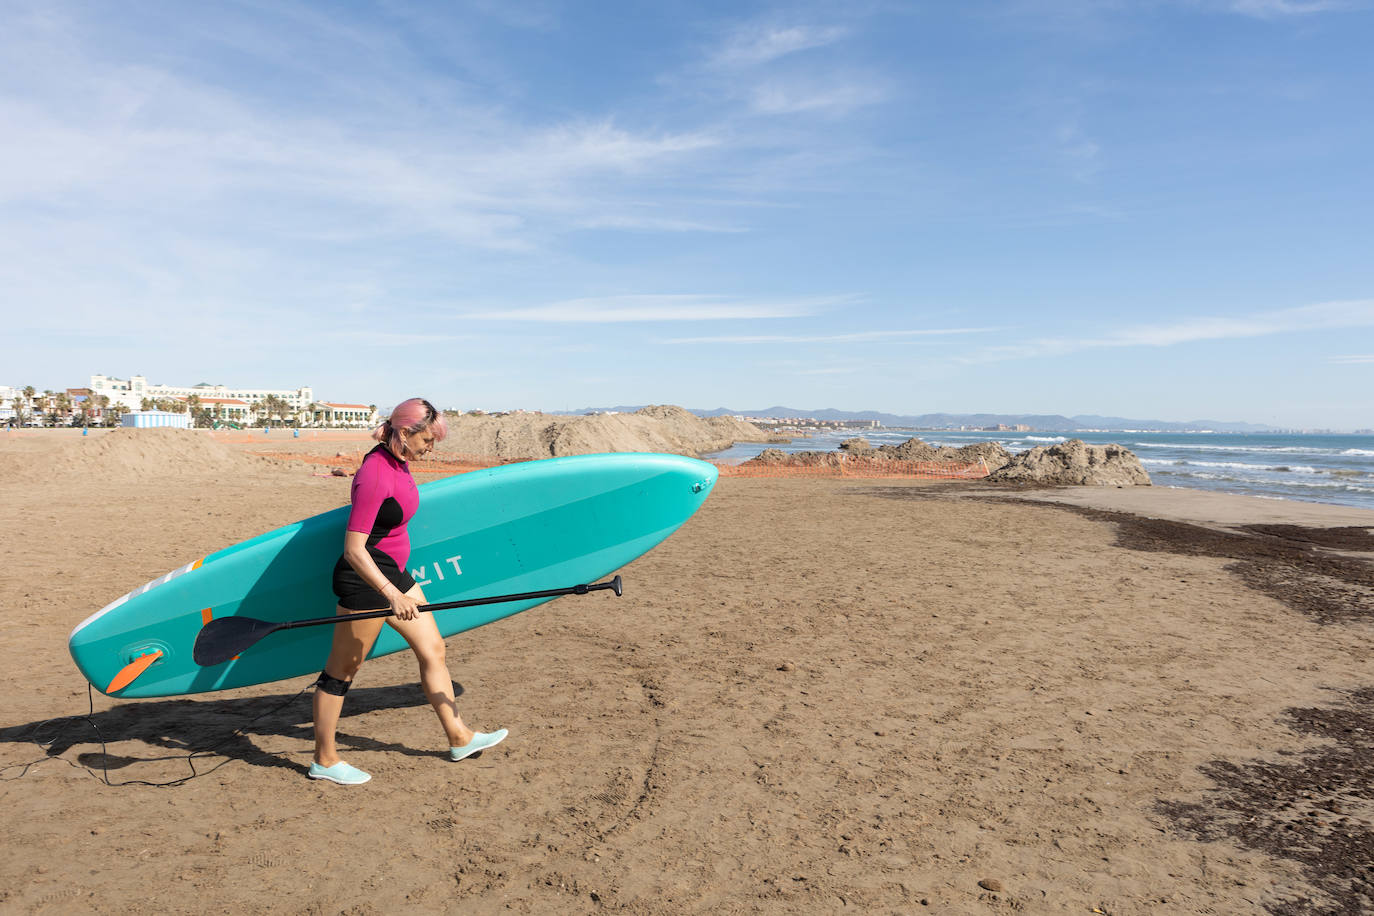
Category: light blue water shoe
[480,742]
[341,773]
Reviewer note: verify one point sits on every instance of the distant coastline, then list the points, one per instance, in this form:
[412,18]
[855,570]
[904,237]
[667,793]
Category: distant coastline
[987,422]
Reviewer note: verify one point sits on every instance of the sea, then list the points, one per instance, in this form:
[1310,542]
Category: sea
[1337,469]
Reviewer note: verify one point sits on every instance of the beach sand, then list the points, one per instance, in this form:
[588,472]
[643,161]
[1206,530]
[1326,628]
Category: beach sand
[818,695]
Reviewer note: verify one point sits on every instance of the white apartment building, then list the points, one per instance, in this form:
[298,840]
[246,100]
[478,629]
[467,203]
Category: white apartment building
[131,392]
[7,396]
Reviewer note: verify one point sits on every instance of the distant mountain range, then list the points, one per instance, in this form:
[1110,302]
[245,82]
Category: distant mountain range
[1042,422]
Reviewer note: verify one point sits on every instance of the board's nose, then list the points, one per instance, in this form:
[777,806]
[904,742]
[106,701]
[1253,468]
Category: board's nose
[704,484]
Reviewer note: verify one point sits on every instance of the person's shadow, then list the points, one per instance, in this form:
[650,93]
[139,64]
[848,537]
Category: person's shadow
[207,729]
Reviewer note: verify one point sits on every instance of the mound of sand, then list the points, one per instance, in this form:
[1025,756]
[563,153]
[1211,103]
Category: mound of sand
[139,453]
[916,450]
[808,459]
[654,429]
[1074,463]
[991,452]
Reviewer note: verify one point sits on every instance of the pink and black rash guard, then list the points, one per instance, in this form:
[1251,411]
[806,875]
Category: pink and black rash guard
[384,499]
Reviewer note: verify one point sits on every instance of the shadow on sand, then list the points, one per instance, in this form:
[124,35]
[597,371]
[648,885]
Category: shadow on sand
[203,730]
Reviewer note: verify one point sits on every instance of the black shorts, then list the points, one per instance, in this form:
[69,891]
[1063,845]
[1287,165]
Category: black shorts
[354,592]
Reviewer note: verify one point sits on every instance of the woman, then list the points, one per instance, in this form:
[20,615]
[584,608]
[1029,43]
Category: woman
[371,575]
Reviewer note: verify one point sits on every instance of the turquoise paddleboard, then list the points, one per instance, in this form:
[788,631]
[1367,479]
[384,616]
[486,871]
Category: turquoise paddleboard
[518,528]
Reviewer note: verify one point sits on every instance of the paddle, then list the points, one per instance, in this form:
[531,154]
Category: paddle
[225,637]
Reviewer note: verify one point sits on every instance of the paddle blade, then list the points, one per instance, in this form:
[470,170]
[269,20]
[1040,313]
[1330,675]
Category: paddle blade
[131,671]
[224,637]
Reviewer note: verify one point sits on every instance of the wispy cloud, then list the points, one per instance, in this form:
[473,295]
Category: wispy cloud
[775,98]
[654,224]
[116,141]
[1274,9]
[755,44]
[362,338]
[853,337]
[831,370]
[1350,360]
[1079,151]
[649,308]
[1324,315]
[1357,313]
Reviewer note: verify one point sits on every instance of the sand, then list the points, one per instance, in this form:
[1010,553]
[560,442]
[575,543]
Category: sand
[819,695]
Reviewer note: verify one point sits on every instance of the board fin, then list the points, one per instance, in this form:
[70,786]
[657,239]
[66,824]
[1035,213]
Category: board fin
[130,672]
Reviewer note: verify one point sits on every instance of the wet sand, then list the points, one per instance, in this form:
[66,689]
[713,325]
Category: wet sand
[819,695]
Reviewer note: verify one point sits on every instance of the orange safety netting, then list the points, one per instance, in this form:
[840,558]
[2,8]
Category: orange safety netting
[841,466]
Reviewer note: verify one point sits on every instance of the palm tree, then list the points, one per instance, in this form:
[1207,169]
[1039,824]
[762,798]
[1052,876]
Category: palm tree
[113,412]
[277,408]
[200,415]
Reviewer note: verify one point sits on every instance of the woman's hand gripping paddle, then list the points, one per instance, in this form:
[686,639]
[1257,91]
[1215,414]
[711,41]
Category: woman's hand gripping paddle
[225,637]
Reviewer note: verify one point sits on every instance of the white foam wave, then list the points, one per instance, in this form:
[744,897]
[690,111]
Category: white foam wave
[1294,484]
[1364,452]
[1233,465]
[1243,466]
[1329,485]
[1260,449]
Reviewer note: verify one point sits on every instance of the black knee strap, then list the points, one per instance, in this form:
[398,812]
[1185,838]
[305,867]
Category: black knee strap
[332,685]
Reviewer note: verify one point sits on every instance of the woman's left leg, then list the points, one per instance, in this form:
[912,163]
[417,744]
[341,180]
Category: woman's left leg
[422,634]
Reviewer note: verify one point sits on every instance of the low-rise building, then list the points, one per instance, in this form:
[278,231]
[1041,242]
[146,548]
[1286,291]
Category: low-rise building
[360,415]
[8,396]
[133,391]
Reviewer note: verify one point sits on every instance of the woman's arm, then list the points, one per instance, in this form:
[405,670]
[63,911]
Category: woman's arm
[355,552]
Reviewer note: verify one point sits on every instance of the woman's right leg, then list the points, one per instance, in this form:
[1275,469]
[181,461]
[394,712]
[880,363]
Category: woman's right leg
[352,642]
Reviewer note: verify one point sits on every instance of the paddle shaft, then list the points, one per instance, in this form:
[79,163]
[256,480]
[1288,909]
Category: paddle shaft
[614,584]
[224,638]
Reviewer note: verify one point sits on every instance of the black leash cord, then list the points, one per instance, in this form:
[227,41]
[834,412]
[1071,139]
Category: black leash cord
[104,774]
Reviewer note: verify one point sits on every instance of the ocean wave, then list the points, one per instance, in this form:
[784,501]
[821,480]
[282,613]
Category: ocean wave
[1243,466]
[1205,475]
[1233,465]
[1046,439]
[1257,449]
[1295,485]
[1333,485]
[1359,451]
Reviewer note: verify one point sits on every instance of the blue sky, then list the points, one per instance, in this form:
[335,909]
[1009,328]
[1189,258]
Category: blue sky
[1156,209]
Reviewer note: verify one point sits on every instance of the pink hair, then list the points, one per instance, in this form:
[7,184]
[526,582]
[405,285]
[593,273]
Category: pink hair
[408,418]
